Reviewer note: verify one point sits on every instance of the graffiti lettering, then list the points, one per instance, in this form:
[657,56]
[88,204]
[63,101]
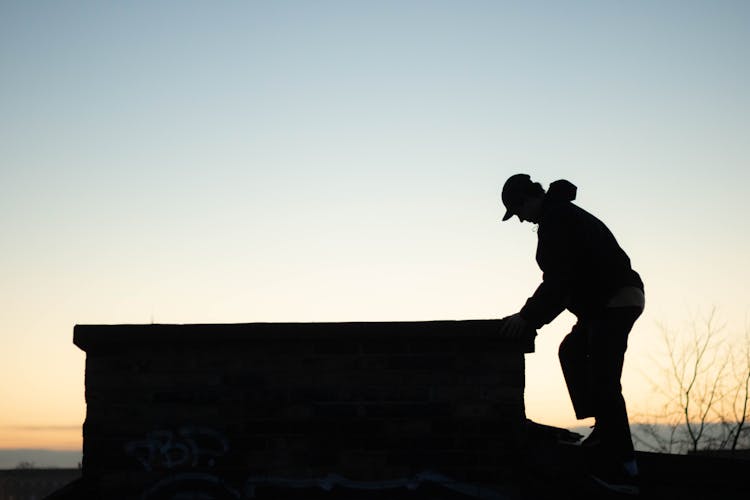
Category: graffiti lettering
[190,446]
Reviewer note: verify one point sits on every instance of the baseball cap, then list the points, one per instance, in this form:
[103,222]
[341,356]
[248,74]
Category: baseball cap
[513,193]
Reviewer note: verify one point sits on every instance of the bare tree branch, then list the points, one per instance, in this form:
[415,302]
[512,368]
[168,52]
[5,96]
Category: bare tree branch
[705,391]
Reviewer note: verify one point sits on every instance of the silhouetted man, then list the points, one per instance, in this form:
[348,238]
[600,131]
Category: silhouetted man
[586,272]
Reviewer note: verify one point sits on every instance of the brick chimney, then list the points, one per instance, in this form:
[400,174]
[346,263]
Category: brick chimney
[230,408]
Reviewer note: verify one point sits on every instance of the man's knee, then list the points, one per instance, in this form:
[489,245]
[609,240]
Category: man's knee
[572,347]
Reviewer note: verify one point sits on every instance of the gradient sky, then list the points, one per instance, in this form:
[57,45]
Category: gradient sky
[182,162]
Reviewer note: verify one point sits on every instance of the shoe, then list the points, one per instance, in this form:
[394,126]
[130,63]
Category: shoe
[592,439]
[615,478]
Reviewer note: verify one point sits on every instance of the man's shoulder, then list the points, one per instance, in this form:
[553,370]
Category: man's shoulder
[562,213]
[574,214]
[569,218]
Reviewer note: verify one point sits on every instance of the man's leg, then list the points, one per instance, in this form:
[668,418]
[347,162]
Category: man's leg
[608,340]
[574,360]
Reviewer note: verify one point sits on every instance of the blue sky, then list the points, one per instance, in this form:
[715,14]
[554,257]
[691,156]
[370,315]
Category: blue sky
[331,161]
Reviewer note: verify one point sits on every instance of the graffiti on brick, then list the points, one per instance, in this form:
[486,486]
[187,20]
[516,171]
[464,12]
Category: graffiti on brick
[202,486]
[191,486]
[188,446]
[180,452]
[327,483]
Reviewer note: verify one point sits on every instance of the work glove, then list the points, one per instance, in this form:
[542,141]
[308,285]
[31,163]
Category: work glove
[515,327]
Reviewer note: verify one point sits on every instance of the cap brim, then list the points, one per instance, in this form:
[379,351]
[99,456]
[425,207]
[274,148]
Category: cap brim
[508,215]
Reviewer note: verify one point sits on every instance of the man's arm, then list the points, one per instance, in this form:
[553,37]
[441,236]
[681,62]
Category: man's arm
[547,302]
[556,254]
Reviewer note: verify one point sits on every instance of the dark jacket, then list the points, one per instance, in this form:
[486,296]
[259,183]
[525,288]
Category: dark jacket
[582,263]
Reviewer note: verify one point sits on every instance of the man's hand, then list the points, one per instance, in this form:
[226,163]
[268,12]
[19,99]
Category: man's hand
[514,327]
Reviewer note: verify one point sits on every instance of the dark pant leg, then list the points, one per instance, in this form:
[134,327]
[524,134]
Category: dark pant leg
[574,361]
[608,340]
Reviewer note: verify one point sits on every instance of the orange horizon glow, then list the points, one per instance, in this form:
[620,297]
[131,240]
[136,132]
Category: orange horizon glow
[72,440]
[51,439]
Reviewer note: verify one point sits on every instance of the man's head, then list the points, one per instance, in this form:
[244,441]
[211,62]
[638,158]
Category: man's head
[523,198]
